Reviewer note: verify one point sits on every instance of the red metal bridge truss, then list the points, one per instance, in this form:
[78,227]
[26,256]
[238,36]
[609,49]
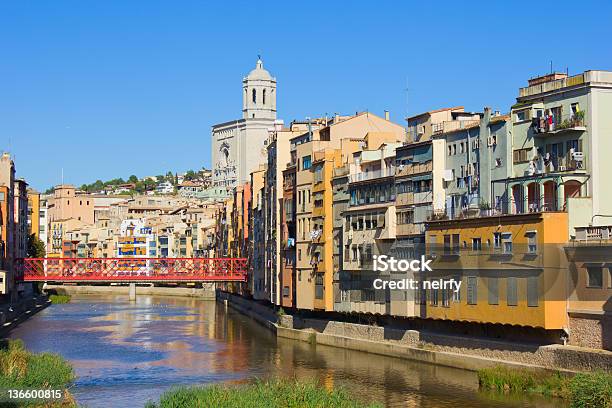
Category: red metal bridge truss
[132,269]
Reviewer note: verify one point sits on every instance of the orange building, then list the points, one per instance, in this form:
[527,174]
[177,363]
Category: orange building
[512,270]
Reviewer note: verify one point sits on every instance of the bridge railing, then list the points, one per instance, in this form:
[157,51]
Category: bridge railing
[132,269]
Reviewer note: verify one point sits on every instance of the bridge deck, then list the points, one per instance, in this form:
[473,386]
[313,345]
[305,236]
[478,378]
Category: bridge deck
[132,269]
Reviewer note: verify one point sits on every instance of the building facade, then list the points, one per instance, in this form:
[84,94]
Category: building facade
[238,146]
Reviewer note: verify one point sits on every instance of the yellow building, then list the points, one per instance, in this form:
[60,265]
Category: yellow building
[34,213]
[512,269]
[321,236]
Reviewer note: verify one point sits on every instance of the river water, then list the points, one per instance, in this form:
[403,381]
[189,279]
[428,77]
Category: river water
[126,353]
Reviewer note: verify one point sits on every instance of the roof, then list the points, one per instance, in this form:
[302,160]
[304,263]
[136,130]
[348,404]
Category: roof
[259,72]
[436,111]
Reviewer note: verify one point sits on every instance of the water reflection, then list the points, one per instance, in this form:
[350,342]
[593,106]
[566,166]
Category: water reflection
[127,353]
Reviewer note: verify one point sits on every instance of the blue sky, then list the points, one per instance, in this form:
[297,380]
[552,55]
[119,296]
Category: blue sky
[111,88]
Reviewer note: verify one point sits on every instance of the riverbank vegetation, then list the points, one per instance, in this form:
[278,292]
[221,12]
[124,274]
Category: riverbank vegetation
[584,390]
[271,394]
[59,299]
[21,369]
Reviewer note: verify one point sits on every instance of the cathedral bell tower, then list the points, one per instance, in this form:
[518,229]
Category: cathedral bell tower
[259,94]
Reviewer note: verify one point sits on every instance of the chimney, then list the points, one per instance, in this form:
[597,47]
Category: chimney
[386,115]
[335,118]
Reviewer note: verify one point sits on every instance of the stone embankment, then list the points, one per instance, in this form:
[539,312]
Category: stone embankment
[470,353]
[16,312]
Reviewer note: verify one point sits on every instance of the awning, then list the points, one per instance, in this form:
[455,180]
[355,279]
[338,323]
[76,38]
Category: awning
[422,177]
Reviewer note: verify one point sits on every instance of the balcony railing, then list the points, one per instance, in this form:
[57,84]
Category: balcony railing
[370,175]
[552,85]
[413,168]
[593,233]
[452,125]
[573,121]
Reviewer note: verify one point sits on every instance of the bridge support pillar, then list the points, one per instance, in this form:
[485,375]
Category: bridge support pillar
[132,292]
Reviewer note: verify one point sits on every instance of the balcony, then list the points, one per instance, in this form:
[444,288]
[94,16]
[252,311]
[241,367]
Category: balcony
[371,175]
[570,122]
[593,234]
[453,125]
[413,168]
[341,171]
[410,229]
[553,85]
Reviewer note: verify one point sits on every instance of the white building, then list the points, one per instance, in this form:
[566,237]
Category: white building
[238,146]
[164,188]
[43,221]
[136,240]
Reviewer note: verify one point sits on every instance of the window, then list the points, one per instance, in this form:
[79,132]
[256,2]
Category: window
[433,300]
[450,150]
[522,115]
[472,290]
[511,291]
[446,294]
[456,295]
[532,291]
[299,254]
[521,155]
[493,286]
[254,96]
[497,240]
[532,245]
[506,238]
[594,276]
[306,163]
[263,97]
[476,244]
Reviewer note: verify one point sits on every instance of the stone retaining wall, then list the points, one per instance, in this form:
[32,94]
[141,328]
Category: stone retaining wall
[202,293]
[16,312]
[455,351]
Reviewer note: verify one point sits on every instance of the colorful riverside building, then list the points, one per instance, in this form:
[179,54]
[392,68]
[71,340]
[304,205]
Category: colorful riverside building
[512,270]
[345,134]
[369,221]
[561,128]
[590,295]
[508,251]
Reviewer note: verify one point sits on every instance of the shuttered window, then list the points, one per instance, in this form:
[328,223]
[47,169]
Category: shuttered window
[532,291]
[472,290]
[493,287]
[511,291]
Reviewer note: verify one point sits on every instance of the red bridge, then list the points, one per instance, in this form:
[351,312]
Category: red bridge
[132,269]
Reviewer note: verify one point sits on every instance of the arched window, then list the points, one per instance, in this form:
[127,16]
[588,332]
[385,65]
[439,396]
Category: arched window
[263,98]
[254,96]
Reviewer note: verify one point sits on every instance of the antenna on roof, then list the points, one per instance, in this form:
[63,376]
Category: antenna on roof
[551,70]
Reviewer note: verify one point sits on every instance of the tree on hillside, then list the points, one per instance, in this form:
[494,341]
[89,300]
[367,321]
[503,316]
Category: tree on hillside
[133,179]
[170,177]
[114,182]
[191,175]
[36,248]
[97,186]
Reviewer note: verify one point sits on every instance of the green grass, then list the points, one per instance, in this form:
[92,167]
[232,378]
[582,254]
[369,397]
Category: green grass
[270,394]
[59,299]
[584,390]
[21,369]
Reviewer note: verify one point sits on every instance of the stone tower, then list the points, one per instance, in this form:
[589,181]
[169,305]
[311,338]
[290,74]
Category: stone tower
[259,94]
